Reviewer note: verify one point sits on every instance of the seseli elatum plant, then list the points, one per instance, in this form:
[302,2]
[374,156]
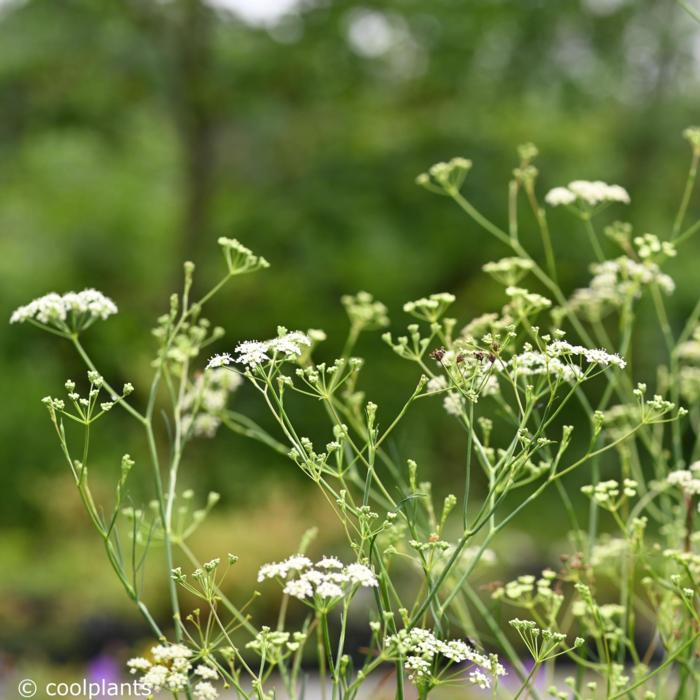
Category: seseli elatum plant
[615,617]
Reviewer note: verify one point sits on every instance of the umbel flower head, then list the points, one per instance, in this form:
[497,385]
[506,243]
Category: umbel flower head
[443,178]
[586,193]
[509,271]
[688,480]
[364,311]
[67,313]
[171,669]
[615,283]
[253,353]
[240,259]
[543,644]
[419,648]
[429,308]
[205,401]
[327,581]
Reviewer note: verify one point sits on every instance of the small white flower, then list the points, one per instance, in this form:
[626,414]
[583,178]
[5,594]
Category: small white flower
[219,360]
[559,196]
[204,425]
[429,308]
[526,300]
[176,681]
[616,193]
[281,569]
[480,679]
[171,652]
[417,667]
[453,403]
[156,677]
[361,575]
[419,647]
[530,363]
[592,193]
[594,356]
[207,672]
[329,578]
[686,480]
[252,353]
[327,589]
[72,311]
[138,664]
[90,302]
[508,271]
[205,691]
[330,563]
[290,343]
[169,671]
[299,588]
[436,384]
[214,400]
[298,562]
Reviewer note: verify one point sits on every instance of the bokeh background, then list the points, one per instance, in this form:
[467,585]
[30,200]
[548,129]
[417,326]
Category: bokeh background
[133,133]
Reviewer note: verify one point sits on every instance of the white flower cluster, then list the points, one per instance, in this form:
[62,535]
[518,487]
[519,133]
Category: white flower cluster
[559,359]
[607,493]
[549,361]
[170,670]
[650,246]
[67,312]
[447,176]
[593,356]
[530,363]
[253,353]
[223,359]
[480,326]
[436,384]
[206,399]
[328,578]
[419,648]
[508,271]
[625,272]
[609,551]
[429,308]
[364,311]
[469,371]
[525,302]
[688,480]
[453,403]
[590,193]
[616,281]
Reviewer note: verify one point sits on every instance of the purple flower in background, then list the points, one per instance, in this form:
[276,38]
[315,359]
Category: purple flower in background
[103,668]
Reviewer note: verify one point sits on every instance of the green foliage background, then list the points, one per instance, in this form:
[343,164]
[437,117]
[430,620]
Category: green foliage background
[133,133]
